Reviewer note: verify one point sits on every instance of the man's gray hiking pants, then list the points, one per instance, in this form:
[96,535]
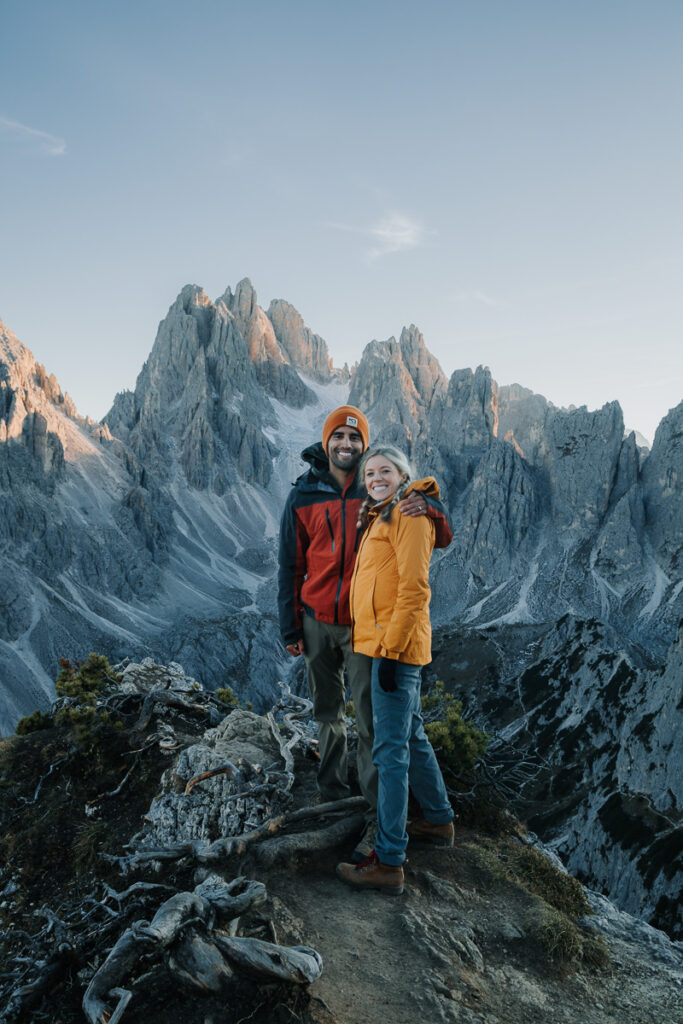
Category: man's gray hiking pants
[327,649]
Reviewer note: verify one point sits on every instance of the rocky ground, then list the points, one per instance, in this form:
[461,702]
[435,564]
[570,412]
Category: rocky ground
[489,931]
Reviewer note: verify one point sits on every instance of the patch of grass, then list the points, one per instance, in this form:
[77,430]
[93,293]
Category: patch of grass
[556,901]
[90,838]
[595,953]
[487,864]
[555,933]
[538,875]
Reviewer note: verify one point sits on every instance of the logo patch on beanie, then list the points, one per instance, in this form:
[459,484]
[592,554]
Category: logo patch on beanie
[351,421]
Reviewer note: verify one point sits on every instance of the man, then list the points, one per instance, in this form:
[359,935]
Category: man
[318,543]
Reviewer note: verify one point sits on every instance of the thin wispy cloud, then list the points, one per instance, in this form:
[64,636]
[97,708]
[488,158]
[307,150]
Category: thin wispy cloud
[474,295]
[49,144]
[394,232]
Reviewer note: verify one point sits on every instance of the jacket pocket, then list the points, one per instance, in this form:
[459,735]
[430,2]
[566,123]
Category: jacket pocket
[378,625]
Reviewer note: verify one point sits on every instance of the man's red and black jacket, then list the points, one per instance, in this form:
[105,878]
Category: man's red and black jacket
[318,544]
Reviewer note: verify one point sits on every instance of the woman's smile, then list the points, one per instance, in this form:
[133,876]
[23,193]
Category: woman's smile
[381,478]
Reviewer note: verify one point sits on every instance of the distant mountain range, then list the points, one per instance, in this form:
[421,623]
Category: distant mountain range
[154,532]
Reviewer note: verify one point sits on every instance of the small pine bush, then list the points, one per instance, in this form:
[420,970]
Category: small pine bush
[33,723]
[226,695]
[86,677]
[457,743]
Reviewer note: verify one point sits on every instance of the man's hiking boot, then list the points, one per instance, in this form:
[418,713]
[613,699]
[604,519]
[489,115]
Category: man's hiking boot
[372,874]
[366,843]
[438,835]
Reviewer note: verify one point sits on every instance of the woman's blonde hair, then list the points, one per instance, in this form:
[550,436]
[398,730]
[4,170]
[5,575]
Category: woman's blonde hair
[402,463]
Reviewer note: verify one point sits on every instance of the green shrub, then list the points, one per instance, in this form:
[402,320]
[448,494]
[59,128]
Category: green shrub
[85,677]
[33,723]
[226,696]
[457,743]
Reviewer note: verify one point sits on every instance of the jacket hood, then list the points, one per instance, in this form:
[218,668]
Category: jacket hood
[427,485]
[316,455]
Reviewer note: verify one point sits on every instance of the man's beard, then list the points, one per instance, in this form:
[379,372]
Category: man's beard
[347,464]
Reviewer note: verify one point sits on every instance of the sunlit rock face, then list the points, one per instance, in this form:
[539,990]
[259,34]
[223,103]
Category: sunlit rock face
[198,400]
[80,531]
[303,348]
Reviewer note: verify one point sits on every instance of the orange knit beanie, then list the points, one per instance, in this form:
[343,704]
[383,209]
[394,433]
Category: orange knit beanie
[346,416]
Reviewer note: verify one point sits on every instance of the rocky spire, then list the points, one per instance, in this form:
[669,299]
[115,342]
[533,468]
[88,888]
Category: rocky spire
[662,488]
[26,390]
[397,384]
[304,349]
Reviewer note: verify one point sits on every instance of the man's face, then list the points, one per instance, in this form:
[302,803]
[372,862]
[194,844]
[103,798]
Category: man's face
[345,448]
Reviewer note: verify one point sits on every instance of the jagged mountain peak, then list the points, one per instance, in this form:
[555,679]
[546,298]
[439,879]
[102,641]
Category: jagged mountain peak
[244,302]
[303,348]
[398,383]
[34,407]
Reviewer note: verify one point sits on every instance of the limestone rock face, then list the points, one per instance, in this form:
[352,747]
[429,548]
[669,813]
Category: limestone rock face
[305,350]
[398,383]
[199,394]
[522,418]
[612,733]
[499,512]
[202,400]
[604,730]
[272,365]
[663,492]
[81,531]
[581,456]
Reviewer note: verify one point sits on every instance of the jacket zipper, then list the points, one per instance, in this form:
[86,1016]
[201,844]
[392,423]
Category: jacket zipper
[360,541]
[343,559]
[329,526]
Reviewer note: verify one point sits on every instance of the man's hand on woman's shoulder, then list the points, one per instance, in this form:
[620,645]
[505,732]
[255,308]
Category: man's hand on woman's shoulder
[414,505]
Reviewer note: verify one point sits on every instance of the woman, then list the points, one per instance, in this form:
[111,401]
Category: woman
[390,612]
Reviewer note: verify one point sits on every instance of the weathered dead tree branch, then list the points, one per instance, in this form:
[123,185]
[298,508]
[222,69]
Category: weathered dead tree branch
[227,846]
[198,959]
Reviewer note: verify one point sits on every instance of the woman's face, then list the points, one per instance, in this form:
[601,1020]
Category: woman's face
[381,477]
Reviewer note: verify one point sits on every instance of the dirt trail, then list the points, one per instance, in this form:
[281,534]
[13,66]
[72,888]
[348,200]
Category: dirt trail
[451,949]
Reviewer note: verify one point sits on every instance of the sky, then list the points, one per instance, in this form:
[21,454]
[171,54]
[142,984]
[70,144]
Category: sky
[506,176]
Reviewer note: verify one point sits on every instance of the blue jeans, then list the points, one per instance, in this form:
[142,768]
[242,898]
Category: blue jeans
[403,755]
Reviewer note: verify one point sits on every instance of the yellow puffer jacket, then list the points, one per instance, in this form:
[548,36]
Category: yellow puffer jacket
[390,586]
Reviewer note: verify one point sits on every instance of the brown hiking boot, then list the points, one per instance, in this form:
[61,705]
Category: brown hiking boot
[372,874]
[438,835]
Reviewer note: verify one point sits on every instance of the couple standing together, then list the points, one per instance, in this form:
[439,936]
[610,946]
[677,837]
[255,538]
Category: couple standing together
[355,545]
